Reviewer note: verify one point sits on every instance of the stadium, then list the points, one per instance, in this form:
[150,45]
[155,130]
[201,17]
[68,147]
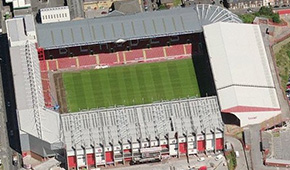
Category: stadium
[111,90]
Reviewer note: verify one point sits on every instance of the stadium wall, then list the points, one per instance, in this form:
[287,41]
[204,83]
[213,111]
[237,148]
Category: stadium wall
[174,147]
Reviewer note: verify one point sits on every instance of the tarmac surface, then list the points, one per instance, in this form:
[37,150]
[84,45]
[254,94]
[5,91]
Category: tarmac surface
[179,164]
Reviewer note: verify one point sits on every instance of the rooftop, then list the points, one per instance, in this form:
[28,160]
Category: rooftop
[129,27]
[241,69]
[141,121]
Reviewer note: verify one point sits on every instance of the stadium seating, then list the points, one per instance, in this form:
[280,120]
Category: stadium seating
[175,50]
[155,52]
[46,88]
[45,84]
[52,64]
[42,65]
[87,60]
[108,58]
[134,55]
[188,48]
[66,63]
[47,98]
[121,57]
[44,75]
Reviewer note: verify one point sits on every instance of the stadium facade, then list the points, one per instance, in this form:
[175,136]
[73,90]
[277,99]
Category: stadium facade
[117,134]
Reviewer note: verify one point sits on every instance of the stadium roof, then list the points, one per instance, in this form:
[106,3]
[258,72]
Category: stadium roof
[200,115]
[32,116]
[241,70]
[129,27]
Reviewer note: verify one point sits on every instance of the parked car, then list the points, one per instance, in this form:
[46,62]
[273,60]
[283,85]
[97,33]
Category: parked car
[219,157]
[237,154]
[200,159]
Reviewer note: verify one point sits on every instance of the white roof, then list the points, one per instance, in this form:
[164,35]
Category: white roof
[33,117]
[240,67]
[113,125]
[237,55]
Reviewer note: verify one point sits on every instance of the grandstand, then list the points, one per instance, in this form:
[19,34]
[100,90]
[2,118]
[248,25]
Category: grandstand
[116,135]
[182,126]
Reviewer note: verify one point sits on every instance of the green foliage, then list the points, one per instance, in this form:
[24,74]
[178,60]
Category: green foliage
[288,53]
[232,161]
[176,2]
[162,6]
[130,85]
[264,11]
[283,63]
[247,18]
[276,18]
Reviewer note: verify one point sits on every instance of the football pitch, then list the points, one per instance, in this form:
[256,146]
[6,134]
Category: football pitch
[130,85]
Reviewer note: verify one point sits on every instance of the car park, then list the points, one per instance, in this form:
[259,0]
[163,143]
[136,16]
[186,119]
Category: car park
[219,157]
[201,159]
[237,154]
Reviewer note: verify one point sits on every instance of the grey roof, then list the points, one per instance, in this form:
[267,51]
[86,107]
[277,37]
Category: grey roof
[141,121]
[129,27]
[17,29]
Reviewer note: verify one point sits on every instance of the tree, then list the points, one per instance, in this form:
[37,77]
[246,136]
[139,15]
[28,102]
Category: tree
[226,4]
[276,18]
[247,18]
[267,11]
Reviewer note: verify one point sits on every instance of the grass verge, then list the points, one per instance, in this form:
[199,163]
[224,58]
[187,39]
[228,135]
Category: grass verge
[232,161]
[283,63]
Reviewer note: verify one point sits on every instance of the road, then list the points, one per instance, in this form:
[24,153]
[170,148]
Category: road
[178,164]
[5,152]
[237,146]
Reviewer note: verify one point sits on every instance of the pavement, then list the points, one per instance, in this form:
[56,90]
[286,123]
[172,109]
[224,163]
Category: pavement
[178,164]
[237,146]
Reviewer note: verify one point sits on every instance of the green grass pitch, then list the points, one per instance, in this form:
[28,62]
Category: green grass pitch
[130,85]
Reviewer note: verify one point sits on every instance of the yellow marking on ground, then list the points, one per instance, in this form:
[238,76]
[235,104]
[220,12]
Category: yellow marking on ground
[144,54]
[124,57]
[56,63]
[47,64]
[78,62]
[118,57]
[164,51]
[97,59]
[184,49]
